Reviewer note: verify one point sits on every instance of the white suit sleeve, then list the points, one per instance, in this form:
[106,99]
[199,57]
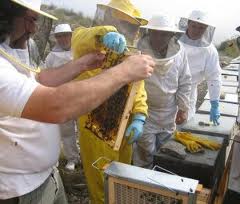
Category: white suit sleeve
[49,61]
[213,74]
[184,84]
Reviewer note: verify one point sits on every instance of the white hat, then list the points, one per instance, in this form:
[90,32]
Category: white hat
[63,28]
[33,5]
[163,23]
[200,17]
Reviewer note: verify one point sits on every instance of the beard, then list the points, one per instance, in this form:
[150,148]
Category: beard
[20,43]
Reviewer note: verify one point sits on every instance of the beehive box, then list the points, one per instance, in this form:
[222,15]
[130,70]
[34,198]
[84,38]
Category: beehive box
[126,184]
[206,167]
[226,109]
[229,73]
[229,89]
[223,130]
[232,195]
[227,97]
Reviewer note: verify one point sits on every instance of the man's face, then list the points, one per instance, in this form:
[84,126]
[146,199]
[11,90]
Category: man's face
[129,30]
[23,28]
[196,30]
[160,39]
[64,40]
[126,28]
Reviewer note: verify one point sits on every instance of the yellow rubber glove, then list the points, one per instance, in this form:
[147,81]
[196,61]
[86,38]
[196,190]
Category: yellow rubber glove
[210,144]
[191,146]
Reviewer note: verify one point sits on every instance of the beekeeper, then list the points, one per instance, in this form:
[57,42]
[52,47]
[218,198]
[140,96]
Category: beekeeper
[124,17]
[32,101]
[62,54]
[168,89]
[203,60]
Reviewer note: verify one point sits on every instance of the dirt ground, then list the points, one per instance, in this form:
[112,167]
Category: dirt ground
[75,183]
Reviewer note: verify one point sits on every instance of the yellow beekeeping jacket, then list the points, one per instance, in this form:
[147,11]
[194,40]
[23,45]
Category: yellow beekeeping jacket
[84,41]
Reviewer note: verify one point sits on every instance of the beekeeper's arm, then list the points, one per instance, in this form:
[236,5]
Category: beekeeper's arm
[213,74]
[70,100]
[84,41]
[184,89]
[213,78]
[67,72]
[139,113]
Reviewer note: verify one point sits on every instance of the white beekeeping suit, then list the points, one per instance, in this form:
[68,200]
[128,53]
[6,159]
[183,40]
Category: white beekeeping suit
[58,56]
[202,57]
[168,88]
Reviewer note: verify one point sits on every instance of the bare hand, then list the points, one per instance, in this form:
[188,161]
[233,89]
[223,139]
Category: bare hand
[181,117]
[92,60]
[138,67]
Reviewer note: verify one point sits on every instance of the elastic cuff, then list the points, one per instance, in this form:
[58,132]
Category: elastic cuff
[214,103]
[185,109]
[139,116]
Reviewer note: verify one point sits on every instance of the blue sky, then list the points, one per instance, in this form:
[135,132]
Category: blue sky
[225,14]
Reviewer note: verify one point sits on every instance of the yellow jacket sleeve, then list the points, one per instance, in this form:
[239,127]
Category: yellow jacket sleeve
[87,40]
[140,101]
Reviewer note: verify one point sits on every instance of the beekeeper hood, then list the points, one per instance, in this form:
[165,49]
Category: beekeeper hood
[160,40]
[63,35]
[62,28]
[44,23]
[123,15]
[32,5]
[197,24]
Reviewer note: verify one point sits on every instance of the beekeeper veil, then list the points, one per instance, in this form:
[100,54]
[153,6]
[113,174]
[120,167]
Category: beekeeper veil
[199,31]
[38,47]
[44,23]
[11,9]
[160,40]
[121,14]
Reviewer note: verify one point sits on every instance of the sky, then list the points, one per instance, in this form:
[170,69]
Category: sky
[224,14]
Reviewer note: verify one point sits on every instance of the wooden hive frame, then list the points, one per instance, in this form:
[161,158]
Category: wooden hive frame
[114,137]
[125,116]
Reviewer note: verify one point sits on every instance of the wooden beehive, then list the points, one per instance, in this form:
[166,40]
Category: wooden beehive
[126,184]
[108,122]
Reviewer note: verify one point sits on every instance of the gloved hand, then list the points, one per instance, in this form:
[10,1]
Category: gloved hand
[115,41]
[135,129]
[214,112]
